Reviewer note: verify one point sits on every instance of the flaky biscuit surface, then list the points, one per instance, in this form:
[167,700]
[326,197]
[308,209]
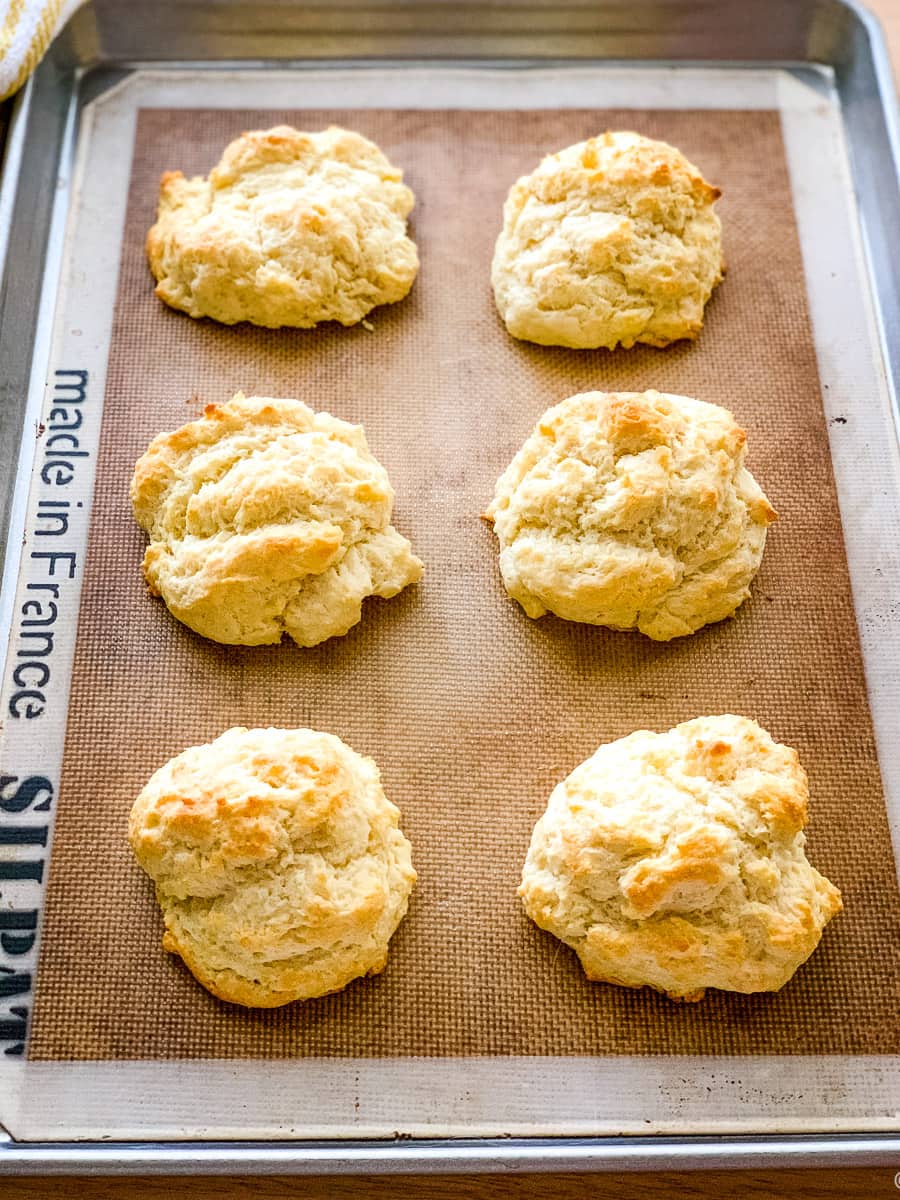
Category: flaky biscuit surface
[676,861]
[279,864]
[632,510]
[289,228]
[611,241]
[266,518]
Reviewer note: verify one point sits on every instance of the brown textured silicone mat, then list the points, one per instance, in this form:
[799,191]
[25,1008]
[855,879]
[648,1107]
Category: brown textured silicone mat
[473,711]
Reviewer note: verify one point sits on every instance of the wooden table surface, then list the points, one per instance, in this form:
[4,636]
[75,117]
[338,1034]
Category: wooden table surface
[721,1185]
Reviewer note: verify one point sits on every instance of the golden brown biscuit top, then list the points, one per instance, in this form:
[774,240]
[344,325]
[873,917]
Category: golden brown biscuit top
[249,799]
[176,483]
[278,861]
[651,179]
[678,860]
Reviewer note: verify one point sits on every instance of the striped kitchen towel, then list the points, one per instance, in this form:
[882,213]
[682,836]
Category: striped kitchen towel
[27,27]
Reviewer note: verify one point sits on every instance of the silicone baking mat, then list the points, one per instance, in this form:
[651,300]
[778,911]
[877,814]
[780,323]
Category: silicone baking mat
[472,711]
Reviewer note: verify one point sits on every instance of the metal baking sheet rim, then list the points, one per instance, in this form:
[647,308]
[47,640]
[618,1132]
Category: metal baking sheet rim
[443,1126]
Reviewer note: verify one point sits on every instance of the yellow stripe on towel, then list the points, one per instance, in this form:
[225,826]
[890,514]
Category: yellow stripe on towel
[43,34]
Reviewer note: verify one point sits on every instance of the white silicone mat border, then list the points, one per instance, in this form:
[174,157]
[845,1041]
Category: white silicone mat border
[434,1097]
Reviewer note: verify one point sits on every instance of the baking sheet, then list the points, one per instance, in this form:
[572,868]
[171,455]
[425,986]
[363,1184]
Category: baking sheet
[513,992]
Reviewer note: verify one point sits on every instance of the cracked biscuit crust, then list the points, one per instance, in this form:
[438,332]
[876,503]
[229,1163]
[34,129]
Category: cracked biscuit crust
[289,228]
[632,510]
[676,861]
[609,242]
[279,864]
[266,518]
